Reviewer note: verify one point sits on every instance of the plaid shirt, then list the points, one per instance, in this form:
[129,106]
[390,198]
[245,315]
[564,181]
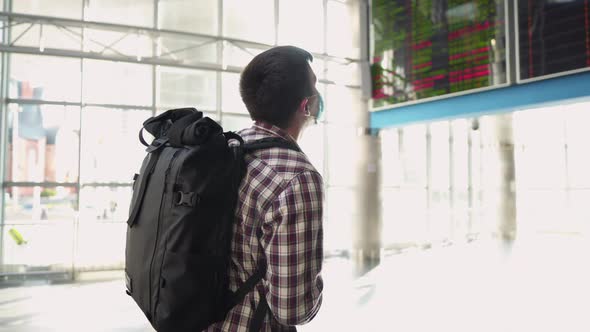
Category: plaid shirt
[281,198]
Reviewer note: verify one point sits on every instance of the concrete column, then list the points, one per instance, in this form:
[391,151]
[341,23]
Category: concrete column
[499,176]
[506,228]
[366,238]
[367,222]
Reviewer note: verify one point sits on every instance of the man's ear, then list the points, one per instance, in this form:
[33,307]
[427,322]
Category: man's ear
[304,106]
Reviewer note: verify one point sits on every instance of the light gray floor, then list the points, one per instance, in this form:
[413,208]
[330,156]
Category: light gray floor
[538,284]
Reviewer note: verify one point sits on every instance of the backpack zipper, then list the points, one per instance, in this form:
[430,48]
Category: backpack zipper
[162,202]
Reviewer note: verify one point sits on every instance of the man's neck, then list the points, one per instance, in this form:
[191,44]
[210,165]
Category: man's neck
[293,132]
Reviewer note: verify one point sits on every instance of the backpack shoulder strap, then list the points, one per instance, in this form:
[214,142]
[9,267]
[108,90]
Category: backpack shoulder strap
[270,142]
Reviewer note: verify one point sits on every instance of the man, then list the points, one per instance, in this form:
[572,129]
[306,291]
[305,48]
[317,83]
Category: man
[279,212]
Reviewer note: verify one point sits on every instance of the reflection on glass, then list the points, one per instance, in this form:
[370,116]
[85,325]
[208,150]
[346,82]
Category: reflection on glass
[126,12]
[251,20]
[112,155]
[292,30]
[186,88]
[107,82]
[55,79]
[188,15]
[43,143]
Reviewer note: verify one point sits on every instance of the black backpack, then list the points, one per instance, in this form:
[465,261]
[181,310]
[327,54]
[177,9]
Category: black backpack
[180,222]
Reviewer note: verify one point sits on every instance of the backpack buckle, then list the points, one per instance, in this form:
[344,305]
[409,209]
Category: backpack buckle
[187,199]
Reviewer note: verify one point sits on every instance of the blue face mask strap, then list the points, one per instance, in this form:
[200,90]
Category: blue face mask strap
[320,106]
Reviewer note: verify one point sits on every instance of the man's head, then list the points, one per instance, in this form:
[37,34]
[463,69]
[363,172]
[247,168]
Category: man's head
[278,87]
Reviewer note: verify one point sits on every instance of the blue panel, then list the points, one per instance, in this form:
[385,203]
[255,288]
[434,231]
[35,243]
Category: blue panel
[547,91]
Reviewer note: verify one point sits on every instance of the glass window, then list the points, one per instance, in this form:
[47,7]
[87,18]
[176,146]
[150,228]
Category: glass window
[239,56]
[126,12]
[186,88]
[231,100]
[184,51]
[111,151]
[251,20]
[43,143]
[460,153]
[38,227]
[391,174]
[107,82]
[341,167]
[340,212]
[439,158]
[404,216]
[26,205]
[118,43]
[311,142]
[413,153]
[54,79]
[92,235]
[50,37]
[578,136]
[343,73]
[301,23]
[344,105]
[105,204]
[58,8]
[343,31]
[200,16]
[235,122]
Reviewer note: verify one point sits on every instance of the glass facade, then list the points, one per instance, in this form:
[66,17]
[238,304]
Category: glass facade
[78,82]
[440,180]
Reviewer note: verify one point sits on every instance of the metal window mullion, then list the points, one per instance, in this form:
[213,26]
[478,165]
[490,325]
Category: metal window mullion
[4,82]
[154,67]
[325,27]
[452,188]
[80,135]
[470,181]
[220,55]
[21,101]
[43,184]
[428,176]
[277,21]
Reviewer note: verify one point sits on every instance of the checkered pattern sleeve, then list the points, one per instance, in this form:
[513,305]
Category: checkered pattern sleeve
[293,245]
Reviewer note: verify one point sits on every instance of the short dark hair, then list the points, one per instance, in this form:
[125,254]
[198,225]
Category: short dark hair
[274,83]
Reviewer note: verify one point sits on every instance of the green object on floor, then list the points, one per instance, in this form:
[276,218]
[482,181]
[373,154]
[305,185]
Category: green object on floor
[17,236]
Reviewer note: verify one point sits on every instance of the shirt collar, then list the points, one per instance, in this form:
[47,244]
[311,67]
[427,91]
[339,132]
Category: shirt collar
[273,130]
